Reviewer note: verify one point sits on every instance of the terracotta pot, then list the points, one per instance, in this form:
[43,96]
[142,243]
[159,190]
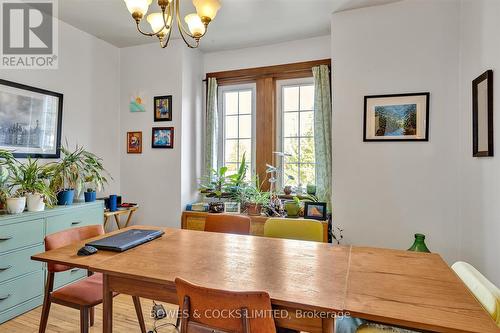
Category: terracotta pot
[254,209]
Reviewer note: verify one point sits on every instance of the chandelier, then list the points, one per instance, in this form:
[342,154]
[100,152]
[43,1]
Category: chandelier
[161,22]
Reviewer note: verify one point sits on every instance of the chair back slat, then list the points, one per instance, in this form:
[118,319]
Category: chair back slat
[228,223]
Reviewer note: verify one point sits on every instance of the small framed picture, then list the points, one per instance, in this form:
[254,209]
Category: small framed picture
[482,115]
[162,137]
[134,142]
[232,207]
[163,108]
[315,210]
[401,117]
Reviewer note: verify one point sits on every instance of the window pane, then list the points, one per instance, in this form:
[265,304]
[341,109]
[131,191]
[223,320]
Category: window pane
[306,123]
[231,102]
[290,124]
[293,171]
[245,146]
[231,168]
[245,127]
[291,98]
[245,102]
[231,127]
[231,151]
[291,146]
[307,150]
[307,174]
[307,97]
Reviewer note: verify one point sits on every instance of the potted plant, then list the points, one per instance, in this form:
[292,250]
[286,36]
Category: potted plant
[215,184]
[94,174]
[30,180]
[292,207]
[66,175]
[6,162]
[254,198]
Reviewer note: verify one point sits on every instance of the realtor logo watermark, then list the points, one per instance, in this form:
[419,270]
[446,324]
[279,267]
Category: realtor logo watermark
[29,34]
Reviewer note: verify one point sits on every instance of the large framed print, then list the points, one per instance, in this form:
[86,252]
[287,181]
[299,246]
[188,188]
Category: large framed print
[482,115]
[30,120]
[401,117]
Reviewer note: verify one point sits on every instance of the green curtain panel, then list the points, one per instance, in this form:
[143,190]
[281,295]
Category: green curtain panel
[211,127]
[323,133]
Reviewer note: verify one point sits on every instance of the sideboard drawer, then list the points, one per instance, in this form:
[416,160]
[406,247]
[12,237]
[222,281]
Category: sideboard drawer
[17,235]
[78,218]
[195,223]
[21,290]
[19,263]
[69,276]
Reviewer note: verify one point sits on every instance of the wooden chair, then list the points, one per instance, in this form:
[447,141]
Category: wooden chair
[301,229]
[227,223]
[483,290]
[223,311]
[82,295]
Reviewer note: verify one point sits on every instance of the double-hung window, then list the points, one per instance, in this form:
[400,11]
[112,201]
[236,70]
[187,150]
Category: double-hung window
[236,104]
[295,133]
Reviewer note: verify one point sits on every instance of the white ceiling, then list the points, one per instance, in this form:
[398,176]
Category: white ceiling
[239,23]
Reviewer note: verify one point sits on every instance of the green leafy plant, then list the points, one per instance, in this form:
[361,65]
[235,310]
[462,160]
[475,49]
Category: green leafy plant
[31,178]
[253,194]
[7,162]
[75,168]
[215,183]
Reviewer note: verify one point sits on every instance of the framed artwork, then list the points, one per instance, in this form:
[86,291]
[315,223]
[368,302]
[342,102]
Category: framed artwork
[401,117]
[482,115]
[134,142]
[163,108]
[232,207]
[315,210]
[137,104]
[30,120]
[162,137]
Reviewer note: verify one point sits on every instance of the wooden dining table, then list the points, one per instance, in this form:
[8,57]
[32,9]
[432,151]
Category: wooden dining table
[311,283]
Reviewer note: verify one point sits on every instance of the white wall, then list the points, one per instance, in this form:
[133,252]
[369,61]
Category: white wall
[479,177]
[276,54]
[385,192]
[162,181]
[88,76]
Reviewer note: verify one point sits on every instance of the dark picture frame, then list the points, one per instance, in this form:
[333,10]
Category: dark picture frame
[315,210]
[134,146]
[406,107]
[482,107]
[162,108]
[162,137]
[21,148]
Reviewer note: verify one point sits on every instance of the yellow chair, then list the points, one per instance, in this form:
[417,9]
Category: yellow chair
[300,229]
[483,290]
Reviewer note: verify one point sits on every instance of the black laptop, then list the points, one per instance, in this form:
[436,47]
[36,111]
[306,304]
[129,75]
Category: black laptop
[126,240]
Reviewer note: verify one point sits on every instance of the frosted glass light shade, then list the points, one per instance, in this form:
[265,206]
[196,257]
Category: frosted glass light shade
[156,22]
[195,25]
[207,8]
[138,6]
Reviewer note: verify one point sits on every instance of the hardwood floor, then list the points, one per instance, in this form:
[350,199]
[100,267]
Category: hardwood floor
[67,320]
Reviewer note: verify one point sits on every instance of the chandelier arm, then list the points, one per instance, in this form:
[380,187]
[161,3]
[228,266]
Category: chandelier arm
[167,40]
[181,26]
[169,14]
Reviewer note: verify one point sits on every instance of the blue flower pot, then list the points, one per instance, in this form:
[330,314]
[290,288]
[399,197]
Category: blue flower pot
[90,196]
[65,197]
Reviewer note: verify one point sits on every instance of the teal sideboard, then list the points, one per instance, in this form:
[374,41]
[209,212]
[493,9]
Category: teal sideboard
[21,279]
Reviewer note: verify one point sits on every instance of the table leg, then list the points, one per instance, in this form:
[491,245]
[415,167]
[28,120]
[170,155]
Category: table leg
[129,217]
[107,306]
[328,325]
[117,220]
[105,221]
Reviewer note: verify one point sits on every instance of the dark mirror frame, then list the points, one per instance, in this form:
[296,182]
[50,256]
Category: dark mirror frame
[488,75]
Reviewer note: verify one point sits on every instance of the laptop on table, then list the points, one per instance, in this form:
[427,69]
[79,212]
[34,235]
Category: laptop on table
[126,240]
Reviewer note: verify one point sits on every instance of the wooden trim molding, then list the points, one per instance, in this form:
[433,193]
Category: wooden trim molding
[286,71]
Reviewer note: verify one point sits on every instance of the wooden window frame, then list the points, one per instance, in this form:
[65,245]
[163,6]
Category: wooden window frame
[265,118]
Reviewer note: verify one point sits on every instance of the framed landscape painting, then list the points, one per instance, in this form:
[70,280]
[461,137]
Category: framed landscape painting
[30,120]
[163,108]
[162,137]
[401,117]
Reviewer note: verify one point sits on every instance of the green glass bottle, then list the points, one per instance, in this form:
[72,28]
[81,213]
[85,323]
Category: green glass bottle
[419,244]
